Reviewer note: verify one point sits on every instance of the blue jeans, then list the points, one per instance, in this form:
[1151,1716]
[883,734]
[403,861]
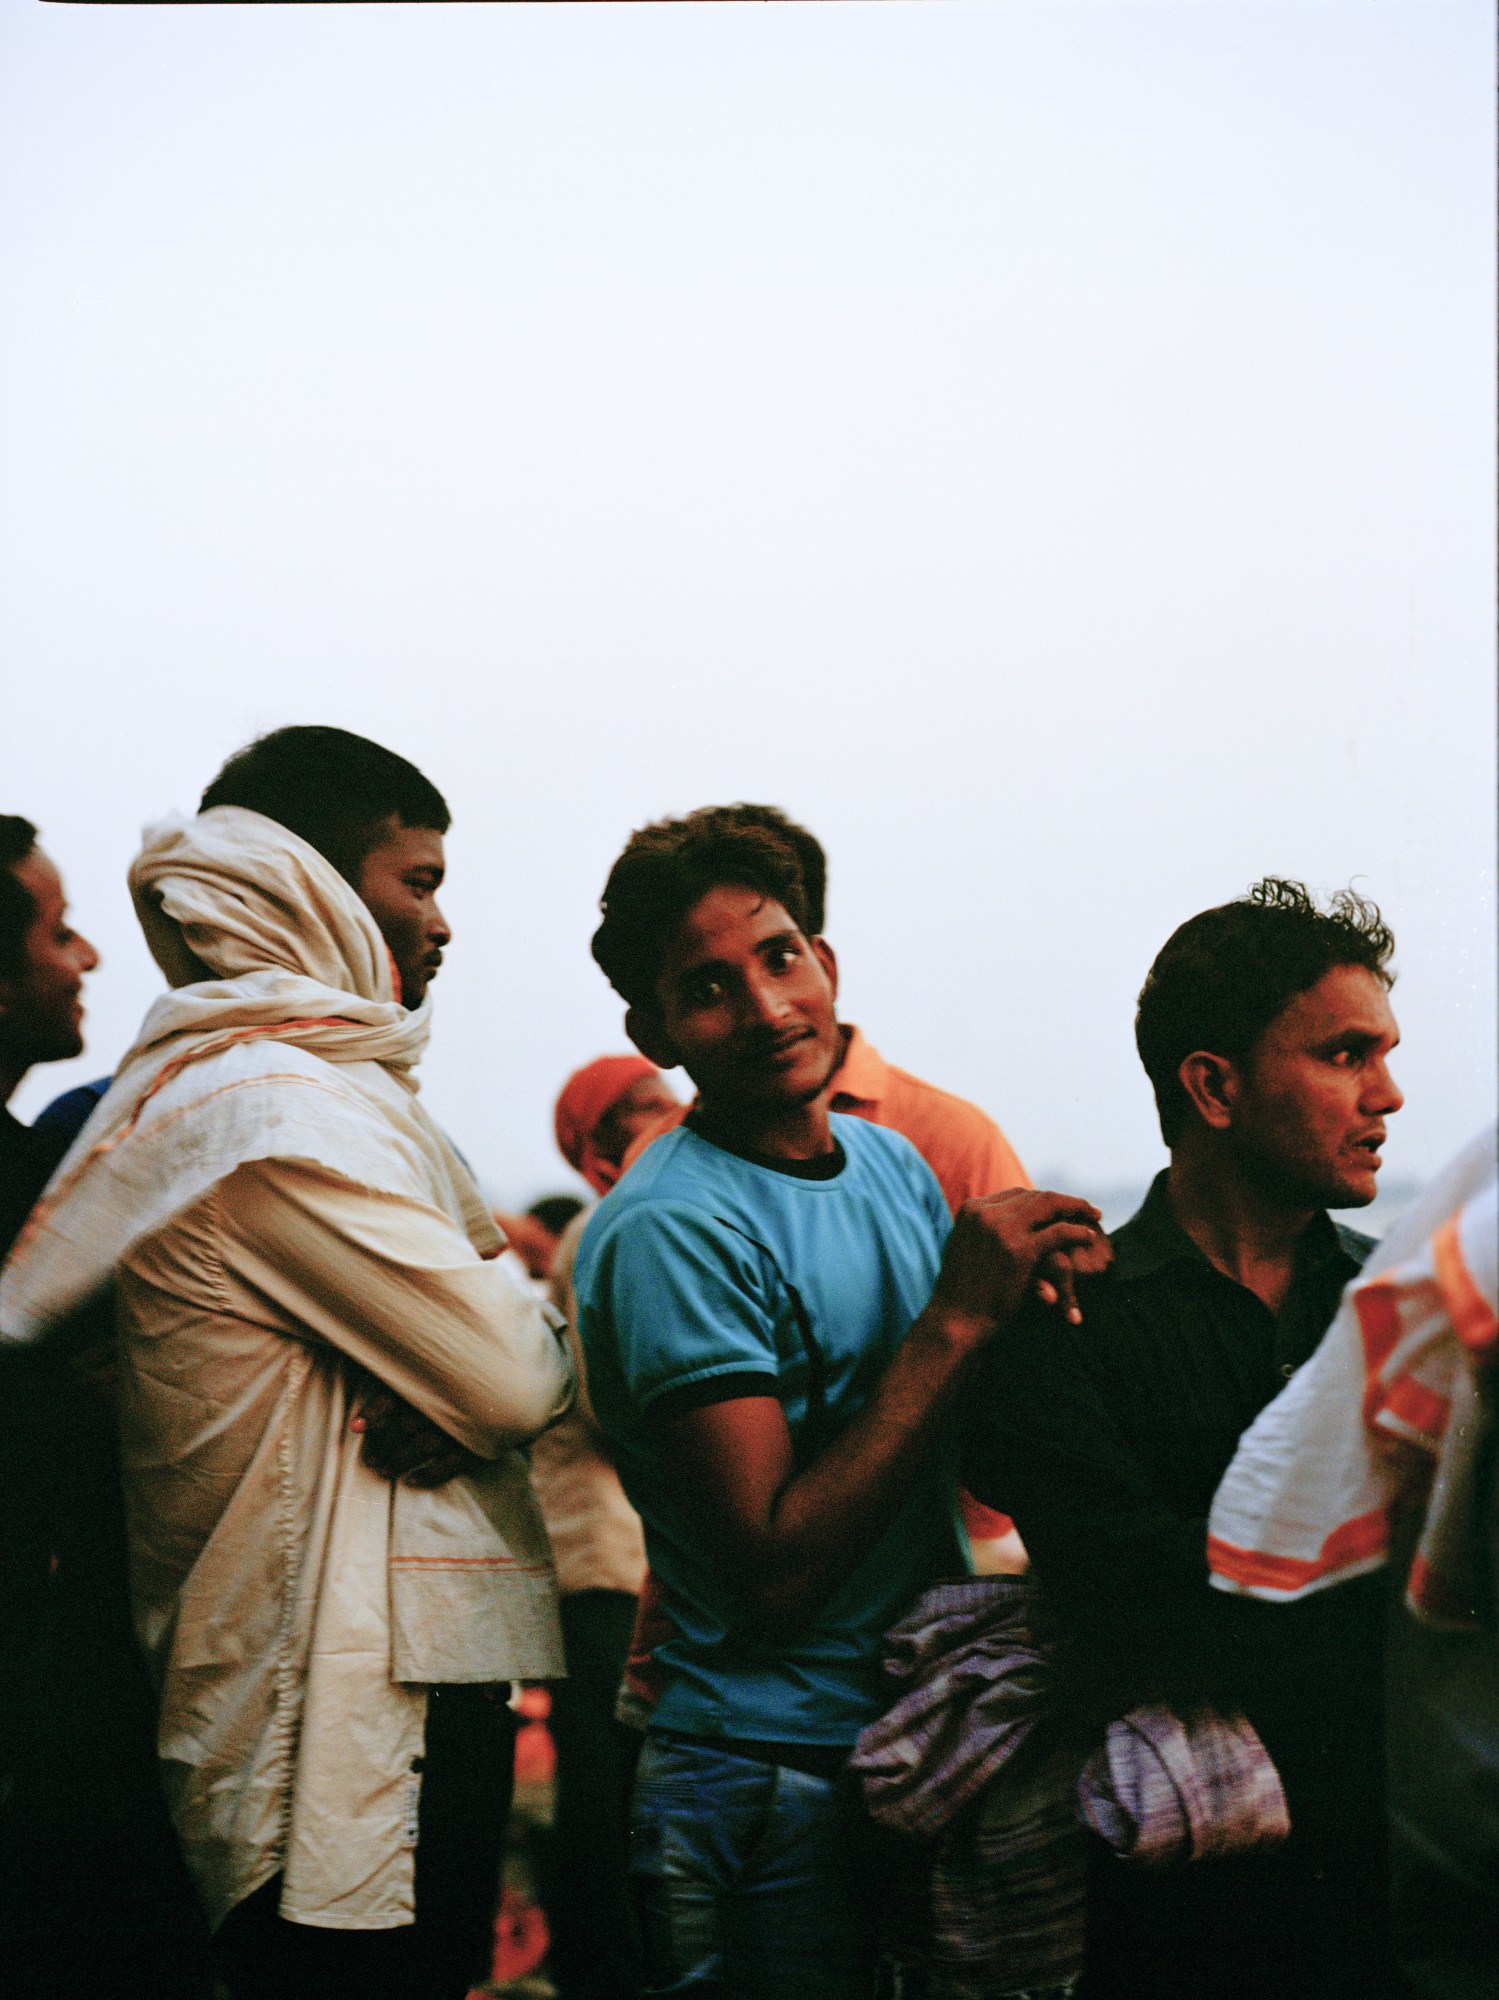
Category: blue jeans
[749,1879]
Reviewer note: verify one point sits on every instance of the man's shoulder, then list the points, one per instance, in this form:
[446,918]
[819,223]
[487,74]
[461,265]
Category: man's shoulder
[891,1159]
[961,1143]
[863,1140]
[958,1115]
[675,1191]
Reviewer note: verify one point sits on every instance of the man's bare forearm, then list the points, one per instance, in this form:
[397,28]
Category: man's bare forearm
[793,1536]
[827,1517]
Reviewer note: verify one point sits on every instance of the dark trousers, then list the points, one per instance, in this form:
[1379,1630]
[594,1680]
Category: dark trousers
[586,1891]
[94,1898]
[468,1768]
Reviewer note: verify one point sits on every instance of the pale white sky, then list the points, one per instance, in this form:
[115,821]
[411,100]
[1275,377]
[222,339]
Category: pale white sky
[1049,449]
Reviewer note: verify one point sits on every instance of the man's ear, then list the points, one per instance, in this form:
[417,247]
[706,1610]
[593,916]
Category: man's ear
[1213,1084]
[647,1031]
[822,951]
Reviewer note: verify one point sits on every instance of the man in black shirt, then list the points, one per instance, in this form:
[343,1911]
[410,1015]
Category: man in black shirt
[1266,1029]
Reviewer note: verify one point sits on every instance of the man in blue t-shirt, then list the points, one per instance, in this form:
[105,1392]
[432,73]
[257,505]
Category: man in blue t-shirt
[776,1315]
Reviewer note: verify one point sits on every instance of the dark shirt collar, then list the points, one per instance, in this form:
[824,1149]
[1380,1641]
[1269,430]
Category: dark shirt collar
[1152,1239]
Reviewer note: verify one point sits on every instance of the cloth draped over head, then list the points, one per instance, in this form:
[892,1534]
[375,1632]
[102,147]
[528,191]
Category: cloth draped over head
[279,971]
[284,1039]
[586,1096]
[1396,1405]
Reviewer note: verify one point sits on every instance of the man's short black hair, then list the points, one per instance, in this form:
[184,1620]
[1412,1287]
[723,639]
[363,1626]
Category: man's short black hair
[17,904]
[669,866]
[1221,979]
[334,789]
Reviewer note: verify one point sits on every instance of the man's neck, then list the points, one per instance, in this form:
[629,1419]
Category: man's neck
[1242,1230]
[799,1132]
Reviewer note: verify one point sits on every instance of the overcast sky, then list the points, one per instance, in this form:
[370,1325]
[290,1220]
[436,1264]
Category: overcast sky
[1049,449]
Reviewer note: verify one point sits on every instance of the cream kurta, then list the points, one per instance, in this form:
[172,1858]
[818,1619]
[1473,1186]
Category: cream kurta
[281,1214]
[268,1596]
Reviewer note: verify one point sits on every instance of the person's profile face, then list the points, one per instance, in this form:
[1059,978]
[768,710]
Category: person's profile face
[398,883]
[43,1004]
[1316,1090]
[745,1003]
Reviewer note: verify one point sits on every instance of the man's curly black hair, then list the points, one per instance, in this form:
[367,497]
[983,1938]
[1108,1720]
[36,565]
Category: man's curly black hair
[670,865]
[1221,979]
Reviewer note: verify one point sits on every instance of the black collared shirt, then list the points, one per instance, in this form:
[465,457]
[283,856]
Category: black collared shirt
[1106,1442]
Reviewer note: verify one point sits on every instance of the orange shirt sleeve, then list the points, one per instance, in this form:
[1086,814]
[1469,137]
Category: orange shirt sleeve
[962,1145]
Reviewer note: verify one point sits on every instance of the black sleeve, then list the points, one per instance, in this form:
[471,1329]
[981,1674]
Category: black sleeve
[1125,1574]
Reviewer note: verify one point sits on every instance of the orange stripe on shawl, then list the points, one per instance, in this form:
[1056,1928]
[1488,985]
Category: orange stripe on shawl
[1353,1542]
[1473,1319]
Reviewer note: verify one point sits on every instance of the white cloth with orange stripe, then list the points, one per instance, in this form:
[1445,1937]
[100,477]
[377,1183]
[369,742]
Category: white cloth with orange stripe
[283,1221]
[1388,1411]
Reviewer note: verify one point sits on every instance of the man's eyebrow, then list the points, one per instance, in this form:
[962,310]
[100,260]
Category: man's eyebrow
[698,965]
[791,935]
[1353,1038]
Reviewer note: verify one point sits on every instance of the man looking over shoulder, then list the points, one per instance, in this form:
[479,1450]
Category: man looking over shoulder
[1266,1030]
[311,1308]
[961,1144]
[776,1316]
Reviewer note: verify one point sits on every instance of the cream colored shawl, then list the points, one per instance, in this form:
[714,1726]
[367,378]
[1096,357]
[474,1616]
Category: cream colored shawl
[283,1039]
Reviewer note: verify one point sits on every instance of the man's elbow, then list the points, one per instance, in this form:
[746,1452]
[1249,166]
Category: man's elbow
[517,1408]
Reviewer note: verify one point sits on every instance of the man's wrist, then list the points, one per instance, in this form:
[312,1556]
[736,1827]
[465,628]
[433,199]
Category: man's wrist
[956,1327]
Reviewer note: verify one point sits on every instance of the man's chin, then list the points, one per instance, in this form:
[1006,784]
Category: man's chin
[1358,1194]
[770,1095]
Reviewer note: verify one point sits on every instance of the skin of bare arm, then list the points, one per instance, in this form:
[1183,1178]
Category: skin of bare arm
[791,1541]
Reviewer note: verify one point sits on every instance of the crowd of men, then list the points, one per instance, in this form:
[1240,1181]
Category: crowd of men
[305,1471]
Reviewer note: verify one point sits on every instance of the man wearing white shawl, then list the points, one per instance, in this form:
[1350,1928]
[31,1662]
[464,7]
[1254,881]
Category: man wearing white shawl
[293,1242]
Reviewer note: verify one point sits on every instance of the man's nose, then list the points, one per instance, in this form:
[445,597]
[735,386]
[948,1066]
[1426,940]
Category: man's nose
[767,1003]
[1384,1096]
[88,956]
[437,927]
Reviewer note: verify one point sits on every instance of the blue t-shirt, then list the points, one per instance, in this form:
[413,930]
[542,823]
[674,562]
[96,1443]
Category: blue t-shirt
[701,1265]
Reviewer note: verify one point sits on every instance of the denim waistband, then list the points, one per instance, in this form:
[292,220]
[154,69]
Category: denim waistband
[816,1760]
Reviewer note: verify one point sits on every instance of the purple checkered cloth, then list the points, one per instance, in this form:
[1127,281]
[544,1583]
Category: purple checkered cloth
[1161,1790]
[1004,1914]
[978,1686]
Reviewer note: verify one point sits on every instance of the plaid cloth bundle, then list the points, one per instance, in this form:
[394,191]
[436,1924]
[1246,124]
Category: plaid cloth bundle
[1161,1790]
[973,1760]
[1007,1888]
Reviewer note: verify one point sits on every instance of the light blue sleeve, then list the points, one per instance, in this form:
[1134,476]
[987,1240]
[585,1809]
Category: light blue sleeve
[680,1297]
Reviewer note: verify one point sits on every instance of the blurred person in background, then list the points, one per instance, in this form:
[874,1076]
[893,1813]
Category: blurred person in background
[599,1551]
[534,1236]
[93,1894]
